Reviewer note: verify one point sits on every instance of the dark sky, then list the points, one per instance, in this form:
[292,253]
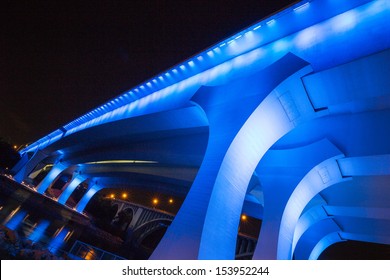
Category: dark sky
[59,60]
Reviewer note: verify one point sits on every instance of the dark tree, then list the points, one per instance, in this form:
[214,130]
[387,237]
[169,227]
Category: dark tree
[8,156]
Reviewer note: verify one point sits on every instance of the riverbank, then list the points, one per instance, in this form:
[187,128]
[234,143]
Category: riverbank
[13,247]
[35,226]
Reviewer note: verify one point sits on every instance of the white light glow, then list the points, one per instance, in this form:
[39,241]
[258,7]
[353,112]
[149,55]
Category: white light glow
[302,7]
[132,161]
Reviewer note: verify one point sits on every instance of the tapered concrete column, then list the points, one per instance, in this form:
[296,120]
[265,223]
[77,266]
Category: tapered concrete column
[312,236]
[120,208]
[291,166]
[309,218]
[20,168]
[207,225]
[318,222]
[319,178]
[324,243]
[26,165]
[76,180]
[136,217]
[279,113]
[336,237]
[131,227]
[92,190]
[50,177]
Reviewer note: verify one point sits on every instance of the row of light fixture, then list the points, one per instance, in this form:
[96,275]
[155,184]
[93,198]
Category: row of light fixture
[155,201]
[136,93]
[139,92]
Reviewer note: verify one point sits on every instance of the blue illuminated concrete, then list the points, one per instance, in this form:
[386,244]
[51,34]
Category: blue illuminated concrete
[50,177]
[312,223]
[92,190]
[224,126]
[27,164]
[324,243]
[285,121]
[76,180]
[313,236]
[301,160]
[320,177]
[323,43]
[269,122]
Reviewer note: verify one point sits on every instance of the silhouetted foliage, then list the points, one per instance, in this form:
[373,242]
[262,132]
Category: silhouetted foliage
[8,156]
[103,213]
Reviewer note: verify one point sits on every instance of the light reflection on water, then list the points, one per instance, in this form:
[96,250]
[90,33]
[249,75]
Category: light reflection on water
[58,239]
[30,224]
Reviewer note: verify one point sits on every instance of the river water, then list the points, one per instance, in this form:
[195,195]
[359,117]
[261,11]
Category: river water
[46,224]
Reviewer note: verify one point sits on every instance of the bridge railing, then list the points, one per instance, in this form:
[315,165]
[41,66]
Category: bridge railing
[81,250]
[245,247]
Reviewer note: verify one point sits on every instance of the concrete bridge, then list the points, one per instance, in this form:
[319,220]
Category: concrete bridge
[285,121]
[138,222]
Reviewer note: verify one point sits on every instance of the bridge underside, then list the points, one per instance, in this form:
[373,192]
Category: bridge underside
[293,132]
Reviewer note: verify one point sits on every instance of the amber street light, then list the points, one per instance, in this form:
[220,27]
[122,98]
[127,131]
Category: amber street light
[170,201]
[124,195]
[112,195]
[155,201]
[243,217]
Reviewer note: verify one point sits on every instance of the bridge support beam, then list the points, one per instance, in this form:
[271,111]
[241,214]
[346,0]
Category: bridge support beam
[76,180]
[324,243]
[26,165]
[285,108]
[206,226]
[132,225]
[319,178]
[301,160]
[92,190]
[50,177]
[314,226]
[136,217]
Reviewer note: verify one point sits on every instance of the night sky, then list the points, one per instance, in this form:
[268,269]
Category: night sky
[60,60]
